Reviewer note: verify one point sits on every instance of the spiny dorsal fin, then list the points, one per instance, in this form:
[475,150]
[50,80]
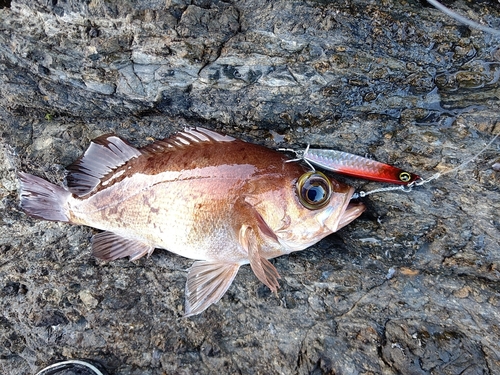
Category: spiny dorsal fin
[188,137]
[105,154]
[109,152]
[203,135]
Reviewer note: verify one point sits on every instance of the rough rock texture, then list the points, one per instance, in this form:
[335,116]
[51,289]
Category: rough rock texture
[411,287]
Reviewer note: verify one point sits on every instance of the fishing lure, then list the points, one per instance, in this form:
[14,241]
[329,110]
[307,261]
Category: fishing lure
[358,166]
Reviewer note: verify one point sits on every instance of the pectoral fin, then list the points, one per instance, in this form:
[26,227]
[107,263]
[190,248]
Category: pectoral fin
[111,246]
[262,268]
[206,283]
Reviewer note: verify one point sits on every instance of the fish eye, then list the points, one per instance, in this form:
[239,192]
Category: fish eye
[405,176]
[314,190]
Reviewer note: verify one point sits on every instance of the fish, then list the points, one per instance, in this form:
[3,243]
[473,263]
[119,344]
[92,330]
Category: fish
[218,200]
[358,166]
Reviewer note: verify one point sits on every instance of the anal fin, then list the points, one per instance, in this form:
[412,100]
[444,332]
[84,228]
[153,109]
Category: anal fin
[207,281]
[111,246]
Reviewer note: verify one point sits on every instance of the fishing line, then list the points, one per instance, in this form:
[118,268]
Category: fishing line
[439,174]
[463,19]
[408,188]
[362,194]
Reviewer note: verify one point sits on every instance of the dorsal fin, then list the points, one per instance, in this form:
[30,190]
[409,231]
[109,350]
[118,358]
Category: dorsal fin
[202,135]
[104,154]
[188,137]
[109,152]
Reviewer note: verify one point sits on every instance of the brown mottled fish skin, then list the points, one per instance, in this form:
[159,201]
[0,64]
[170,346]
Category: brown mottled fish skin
[199,194]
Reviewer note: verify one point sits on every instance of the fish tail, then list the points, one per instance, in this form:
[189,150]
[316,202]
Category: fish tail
[43,200]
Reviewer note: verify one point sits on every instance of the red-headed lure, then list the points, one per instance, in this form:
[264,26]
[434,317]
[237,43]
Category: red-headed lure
[357,166]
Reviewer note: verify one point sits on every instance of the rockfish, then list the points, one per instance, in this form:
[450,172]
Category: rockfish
[206,196]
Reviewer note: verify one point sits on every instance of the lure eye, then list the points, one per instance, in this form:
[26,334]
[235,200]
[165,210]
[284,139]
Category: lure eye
[405,176]
[314,190]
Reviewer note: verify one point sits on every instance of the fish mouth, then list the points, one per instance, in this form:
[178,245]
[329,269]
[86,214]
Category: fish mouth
[352,210]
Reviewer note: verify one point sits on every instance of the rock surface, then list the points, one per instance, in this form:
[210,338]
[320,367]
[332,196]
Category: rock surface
[411,287]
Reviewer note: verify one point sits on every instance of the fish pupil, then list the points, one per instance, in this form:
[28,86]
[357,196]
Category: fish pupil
[315,193]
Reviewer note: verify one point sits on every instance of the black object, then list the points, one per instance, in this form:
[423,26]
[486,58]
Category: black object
[73,367]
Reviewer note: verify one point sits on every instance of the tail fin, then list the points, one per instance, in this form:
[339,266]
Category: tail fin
[41,199]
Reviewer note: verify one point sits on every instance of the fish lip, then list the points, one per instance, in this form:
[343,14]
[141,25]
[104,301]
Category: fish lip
[351,211]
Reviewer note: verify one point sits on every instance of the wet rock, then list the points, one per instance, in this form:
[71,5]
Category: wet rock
[410,287]
[429,348]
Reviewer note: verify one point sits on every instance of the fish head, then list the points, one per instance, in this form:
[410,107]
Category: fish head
[306,209]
